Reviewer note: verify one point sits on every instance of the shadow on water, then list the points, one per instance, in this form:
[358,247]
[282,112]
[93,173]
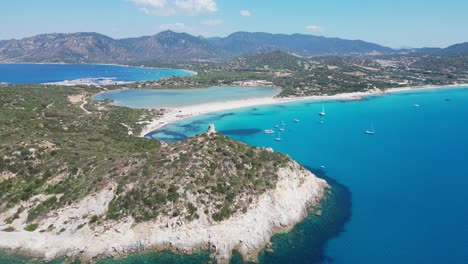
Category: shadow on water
[210,117]
[305,243]
[241,132]
[280,106]
[173,136]
[12,258]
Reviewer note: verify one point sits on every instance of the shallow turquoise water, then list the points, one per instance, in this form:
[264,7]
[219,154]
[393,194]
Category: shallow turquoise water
[47,73]
[183,97]
[409,181]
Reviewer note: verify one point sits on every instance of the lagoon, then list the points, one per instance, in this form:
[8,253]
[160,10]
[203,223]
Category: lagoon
[407,183]
[166,98]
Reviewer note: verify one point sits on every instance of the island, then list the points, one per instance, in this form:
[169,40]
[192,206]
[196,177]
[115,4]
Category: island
[77,181]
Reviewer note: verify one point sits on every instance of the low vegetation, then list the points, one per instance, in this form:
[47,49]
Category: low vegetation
[53,153]
[303,76]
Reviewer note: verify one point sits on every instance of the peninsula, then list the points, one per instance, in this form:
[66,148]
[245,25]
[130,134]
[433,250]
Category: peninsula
[79,179]
[76,182]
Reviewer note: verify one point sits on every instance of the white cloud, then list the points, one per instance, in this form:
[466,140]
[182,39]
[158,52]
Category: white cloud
[213,22]
[179,27]
[245,13]
[176,7]
[314,28]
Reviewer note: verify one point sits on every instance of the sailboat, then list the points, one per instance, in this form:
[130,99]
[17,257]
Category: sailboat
[282,123]
[371,131]
[279,136]
[296,120]
[323,111]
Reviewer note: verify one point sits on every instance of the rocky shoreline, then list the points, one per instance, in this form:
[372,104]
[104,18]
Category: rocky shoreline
[275,211]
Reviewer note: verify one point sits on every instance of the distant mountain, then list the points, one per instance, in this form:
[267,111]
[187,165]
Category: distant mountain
[269,61]
[97,48]
[457,49]
[304,45]
[171,46]
[420,50]
[76,47]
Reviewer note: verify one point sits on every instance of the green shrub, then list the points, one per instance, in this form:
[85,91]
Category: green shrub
[94,219]
[31,227]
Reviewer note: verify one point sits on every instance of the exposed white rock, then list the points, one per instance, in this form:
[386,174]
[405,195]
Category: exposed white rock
[275,210]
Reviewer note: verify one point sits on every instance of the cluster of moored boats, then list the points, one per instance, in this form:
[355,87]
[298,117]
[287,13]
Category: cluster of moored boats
[271,131]
[282,127]
[279,128]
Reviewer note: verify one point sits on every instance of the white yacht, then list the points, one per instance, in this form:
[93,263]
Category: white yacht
[279,137]
[323,111]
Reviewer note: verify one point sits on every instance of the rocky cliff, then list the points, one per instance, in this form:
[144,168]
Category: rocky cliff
[276,210]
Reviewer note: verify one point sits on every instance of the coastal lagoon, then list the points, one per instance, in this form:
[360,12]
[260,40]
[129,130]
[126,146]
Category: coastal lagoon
[52,73]
[405,186]
[408,181]
[184,97]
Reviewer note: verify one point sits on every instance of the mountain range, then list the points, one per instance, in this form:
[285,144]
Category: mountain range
[169,45]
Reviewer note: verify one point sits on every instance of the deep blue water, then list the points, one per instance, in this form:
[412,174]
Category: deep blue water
[47,73]
[145,98]
[409,181]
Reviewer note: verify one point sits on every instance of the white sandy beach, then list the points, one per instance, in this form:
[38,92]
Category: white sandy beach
[179,113]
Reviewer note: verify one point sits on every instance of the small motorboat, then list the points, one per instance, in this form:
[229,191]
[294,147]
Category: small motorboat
[371,131]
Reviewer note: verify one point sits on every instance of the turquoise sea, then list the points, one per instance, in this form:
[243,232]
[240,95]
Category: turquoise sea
[48,73]
[399,195]
[408,182]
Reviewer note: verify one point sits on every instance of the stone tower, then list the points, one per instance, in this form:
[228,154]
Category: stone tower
[211,129]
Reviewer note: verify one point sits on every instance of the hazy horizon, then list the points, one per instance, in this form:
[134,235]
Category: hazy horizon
[208,37]
[388,23]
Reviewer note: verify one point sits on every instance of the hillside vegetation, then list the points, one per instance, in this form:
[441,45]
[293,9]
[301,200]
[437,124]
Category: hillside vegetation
[328,75]
[58,146]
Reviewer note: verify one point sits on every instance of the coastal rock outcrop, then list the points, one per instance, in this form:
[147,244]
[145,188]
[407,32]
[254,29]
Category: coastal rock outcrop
[275,210]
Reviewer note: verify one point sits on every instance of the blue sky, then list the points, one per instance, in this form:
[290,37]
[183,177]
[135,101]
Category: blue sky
[396,23]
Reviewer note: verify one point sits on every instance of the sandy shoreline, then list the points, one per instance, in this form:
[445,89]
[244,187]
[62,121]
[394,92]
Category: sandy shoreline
[179,113]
